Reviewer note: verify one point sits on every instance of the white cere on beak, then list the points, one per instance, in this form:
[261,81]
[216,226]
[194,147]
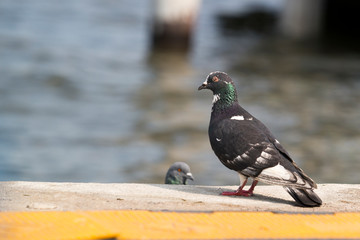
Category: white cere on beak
[190,175]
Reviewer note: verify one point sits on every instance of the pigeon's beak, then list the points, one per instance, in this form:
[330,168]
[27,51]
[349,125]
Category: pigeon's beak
[190,176]
[203,86]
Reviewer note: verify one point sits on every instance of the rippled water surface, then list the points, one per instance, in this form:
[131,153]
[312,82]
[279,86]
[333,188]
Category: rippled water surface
[83,98]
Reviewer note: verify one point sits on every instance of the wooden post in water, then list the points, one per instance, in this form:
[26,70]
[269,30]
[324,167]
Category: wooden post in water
[173,23]
[301,20]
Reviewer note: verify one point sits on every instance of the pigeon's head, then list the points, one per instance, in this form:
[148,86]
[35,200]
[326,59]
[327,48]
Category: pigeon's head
[216,82]
[222,87]
[178,173]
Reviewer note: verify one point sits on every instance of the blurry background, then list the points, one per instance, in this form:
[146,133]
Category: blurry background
[91,91]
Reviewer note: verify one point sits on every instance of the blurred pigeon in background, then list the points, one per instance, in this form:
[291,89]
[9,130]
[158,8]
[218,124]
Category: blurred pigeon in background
[178,173]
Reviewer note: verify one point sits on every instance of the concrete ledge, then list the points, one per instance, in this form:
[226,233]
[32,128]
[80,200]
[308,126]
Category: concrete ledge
[44,196]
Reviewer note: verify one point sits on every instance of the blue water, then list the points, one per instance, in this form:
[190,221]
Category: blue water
[83,98]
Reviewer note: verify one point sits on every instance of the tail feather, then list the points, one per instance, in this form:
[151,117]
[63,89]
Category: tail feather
[304,197]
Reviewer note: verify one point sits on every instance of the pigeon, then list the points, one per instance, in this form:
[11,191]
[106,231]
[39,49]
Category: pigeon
[244,144]
[178,173]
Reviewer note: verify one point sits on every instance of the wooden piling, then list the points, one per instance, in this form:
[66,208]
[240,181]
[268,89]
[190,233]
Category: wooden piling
[173,23]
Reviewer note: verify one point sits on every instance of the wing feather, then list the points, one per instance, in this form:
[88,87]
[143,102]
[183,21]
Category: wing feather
[254,152]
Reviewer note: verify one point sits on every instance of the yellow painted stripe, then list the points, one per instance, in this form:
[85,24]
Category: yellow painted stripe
[176,225]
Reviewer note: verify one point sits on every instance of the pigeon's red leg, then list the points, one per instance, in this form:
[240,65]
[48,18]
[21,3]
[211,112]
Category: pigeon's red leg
[241,192]
[251,189]
[238,192]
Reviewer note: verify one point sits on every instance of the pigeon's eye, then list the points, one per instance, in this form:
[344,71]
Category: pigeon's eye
[215,79]
[179,169]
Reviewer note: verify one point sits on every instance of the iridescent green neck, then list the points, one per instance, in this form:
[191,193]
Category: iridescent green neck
[174,181]
[224,97]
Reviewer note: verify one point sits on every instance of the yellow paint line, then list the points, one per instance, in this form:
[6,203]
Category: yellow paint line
[176,225]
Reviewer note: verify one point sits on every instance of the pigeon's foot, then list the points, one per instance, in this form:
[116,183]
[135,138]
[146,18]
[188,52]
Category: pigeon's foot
[241,192]
[244,193]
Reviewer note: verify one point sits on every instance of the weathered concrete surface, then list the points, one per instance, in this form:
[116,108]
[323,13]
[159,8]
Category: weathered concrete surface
[44,196]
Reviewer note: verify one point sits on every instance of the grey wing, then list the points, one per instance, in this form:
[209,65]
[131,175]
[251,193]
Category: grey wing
[247,149]
[297,177]
[272,139]
[243,147]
